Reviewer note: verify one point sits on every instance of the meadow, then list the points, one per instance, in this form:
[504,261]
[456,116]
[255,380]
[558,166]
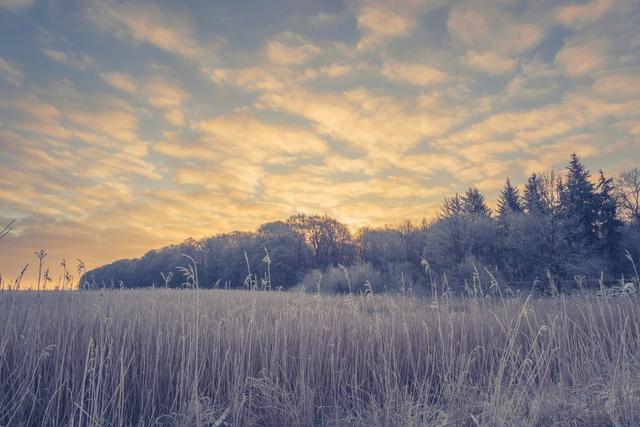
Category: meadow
[222,357]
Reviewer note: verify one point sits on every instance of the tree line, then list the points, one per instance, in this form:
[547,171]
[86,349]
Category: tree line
[561,225]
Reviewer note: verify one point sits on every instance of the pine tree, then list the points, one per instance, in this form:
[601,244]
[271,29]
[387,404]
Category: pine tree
[607,223]
[474,203]
[533,195]
[452,206]
[453,221]
[509,200]
[579,205]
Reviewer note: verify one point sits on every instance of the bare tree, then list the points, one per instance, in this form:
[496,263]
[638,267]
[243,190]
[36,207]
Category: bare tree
[329,239]
[627,192]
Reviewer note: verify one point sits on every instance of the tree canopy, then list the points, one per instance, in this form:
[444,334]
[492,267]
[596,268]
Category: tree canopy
[563,224]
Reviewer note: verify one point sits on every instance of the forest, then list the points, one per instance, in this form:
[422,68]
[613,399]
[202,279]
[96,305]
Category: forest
[558,227]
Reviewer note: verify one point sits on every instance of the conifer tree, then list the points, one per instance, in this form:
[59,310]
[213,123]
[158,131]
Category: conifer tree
[454,221]
[509,200]
[579,205]
[453,206]
[473,203]
[607,224]
[533,195]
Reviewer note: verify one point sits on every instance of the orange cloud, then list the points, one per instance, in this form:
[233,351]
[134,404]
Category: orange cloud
[417,74]
[578,15]
[488,27]
[290,49]
[582,58]
[490,62]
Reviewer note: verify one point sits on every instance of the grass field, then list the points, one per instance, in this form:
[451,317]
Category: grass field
[188,357]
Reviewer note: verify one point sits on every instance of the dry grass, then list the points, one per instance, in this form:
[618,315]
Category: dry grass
[148,357]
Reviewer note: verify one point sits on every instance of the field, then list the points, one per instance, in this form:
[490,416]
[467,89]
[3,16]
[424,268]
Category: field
[205,357]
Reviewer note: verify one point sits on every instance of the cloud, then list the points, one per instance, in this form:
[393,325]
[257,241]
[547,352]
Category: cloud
[76,136]
[252,79]
[175,117]
[580,58]
[70,59]
[336,70]
[290,49]
[417,74]
[121,81]
[579,15]
[320,189]
[483,26]
[233,150]
[16,5]
[10,71]
[163,94]
[490,62]
[265,139]
[379,21]
[618,86]
[382,126]
[536,80]
[323,19]
[371,113]
[158,92]
[168,98]
[147,23]
[540,158]
[113,123]
[528,134]
[30,114]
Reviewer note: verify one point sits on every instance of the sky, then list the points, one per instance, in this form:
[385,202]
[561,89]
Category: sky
[130,125]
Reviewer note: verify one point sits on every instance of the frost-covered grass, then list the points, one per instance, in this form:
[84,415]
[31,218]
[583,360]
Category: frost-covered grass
[185,357]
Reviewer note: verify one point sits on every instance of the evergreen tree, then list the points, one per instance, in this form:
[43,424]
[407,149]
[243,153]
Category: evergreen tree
[533,195]
[579,205]
[473,203]
[607,224]
[453,207]
[453,223]
[509,200]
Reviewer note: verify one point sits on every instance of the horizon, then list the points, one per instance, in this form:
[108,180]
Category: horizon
[128,126]
[414,223]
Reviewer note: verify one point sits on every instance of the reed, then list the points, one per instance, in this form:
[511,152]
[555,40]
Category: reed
[196,357]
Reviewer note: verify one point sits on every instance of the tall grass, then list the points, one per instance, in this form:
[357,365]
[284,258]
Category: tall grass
[146,357]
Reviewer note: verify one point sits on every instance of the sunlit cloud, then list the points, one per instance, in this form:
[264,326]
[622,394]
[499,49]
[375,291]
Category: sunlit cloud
[379,22]
[490,62]
[381,125]
[491,27]
[618,86]
[145,22]
[290,49]
[418,74]
[578,15]
[252,79]
[582,57]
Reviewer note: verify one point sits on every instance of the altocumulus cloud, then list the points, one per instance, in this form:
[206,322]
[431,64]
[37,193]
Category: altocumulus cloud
[126,125]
